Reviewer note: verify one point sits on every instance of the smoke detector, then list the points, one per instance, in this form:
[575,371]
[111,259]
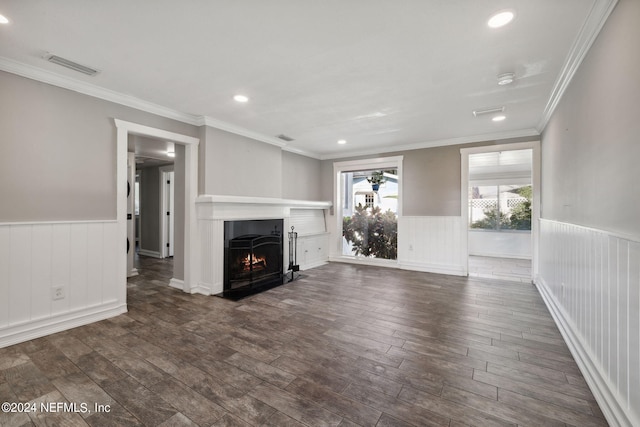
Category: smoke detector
[506,79]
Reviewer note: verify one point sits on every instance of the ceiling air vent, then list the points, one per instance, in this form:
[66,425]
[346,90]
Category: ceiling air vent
[71,65]
[284,137]
[478,113]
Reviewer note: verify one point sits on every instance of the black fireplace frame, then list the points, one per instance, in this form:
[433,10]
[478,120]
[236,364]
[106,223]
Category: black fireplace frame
[263,234]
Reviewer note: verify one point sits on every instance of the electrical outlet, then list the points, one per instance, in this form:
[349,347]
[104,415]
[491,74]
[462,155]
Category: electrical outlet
[57,293]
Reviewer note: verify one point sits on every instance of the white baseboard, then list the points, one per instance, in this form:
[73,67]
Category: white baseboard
[200,288]
[499,255]
[454,270]
[599,386]
[58,323]
[176,283]
[133,272]
[313,265]
[207,289]
[152,254]
[374,262]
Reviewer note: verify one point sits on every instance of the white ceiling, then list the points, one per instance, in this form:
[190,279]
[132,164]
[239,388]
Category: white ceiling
[381,74]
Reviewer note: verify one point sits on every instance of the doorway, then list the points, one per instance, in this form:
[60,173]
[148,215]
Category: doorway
[185,259]
[154,160]
[500,210]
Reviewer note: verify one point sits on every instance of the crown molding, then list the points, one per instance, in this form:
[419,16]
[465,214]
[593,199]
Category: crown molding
[54,79]
[228,127]
[85,88]
[523,133]
[590,29]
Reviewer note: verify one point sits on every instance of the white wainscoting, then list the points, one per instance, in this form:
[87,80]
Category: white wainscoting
[500,244]
[590,280]
[35,258]
[431,243]
[313,250]
[211,232]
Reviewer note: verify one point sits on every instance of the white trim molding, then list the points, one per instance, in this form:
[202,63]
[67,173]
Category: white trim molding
[152,254]
[590,281]
[191,253]
[431,244]
[77,260]
[335,226]
[596,19]
[214,210]
[62,322]
[85,88]
[496,136]
[535,204]
[176,283]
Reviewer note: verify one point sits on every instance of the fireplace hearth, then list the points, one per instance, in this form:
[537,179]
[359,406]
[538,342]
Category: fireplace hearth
[253,256]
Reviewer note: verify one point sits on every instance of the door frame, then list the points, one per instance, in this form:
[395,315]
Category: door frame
[392,162]
[535,204]
[190,255]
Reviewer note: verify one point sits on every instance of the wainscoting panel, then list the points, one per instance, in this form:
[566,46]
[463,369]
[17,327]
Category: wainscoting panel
[431,243]
[313,250]
[211,234]
[590,279]
[36,258]
[307,221]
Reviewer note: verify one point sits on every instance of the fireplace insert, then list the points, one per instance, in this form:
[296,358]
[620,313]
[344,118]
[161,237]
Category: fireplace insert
[253,256]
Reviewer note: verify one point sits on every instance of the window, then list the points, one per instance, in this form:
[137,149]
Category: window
[370,225]
[368,196]
[368,200]
[500,207]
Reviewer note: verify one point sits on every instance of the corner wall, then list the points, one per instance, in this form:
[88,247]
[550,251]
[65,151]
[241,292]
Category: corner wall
[590,233]
[58,224]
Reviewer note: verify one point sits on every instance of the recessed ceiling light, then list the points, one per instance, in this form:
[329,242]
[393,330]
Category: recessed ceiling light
[342,141]
[499,118]
[506,79]
[500,19]
[241,98]
[4,19]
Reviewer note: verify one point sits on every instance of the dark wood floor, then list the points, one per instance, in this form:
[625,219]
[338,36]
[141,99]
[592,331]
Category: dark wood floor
[344,345]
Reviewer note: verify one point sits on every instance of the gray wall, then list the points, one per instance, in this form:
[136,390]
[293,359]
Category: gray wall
[150,209]
[431,176]
[235,165]
[590,147]
[58,157]
[301,177]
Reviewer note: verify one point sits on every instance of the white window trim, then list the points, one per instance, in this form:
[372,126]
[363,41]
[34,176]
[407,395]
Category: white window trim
[393,162]
[535,206]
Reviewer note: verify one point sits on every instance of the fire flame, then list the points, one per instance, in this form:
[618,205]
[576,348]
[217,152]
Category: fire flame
[251,260]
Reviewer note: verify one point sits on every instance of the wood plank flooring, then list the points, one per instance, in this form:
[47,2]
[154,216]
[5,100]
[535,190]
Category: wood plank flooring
[344,345]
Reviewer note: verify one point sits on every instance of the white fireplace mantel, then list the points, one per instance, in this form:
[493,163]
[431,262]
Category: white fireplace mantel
[213,210]
[210,207]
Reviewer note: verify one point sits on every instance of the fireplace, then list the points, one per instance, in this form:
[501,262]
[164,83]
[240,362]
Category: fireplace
[253,256]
